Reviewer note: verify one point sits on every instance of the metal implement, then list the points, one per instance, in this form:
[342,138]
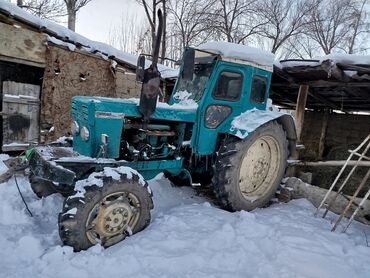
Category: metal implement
[362,153]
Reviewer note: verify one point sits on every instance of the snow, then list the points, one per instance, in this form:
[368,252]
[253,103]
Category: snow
[188,237]
[63,36]
[115,173]
[347,58]
[335,58]
[242,52]
[182,105]
[248,121]
[184,99]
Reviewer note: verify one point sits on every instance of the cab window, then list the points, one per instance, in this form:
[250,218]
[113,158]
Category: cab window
[228,86]
[258,89]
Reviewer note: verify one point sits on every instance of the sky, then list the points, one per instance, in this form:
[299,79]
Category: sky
[96,19]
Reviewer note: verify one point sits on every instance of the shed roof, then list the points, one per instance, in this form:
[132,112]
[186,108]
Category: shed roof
[336,81]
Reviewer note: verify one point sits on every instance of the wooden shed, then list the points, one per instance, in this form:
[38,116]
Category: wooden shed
[42,65]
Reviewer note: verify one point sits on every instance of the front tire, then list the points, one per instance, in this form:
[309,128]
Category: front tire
[248,172]
[107,212]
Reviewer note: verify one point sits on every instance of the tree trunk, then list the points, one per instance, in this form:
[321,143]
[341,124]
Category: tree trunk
[71,19]
[20,3]
[163,54]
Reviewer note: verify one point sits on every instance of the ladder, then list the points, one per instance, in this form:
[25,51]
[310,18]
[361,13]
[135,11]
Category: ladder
[361,152]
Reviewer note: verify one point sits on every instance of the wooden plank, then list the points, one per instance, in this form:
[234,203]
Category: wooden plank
[20,61]
[300,109]
[22,44]
[20,114]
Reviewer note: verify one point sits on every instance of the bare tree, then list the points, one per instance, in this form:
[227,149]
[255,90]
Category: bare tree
[73,6]
[285,19]
[237,20]
[301,47]
[150,8]
[129,34]
[49,9]
[192,21]
[359,25]
[330,24]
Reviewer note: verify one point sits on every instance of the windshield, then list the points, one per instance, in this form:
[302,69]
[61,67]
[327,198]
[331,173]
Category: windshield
[194,89]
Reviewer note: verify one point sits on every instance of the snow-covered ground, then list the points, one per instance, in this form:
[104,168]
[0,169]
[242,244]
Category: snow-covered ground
[188,237]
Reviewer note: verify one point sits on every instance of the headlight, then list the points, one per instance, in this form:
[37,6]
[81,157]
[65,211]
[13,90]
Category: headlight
[85,134]
[75,128]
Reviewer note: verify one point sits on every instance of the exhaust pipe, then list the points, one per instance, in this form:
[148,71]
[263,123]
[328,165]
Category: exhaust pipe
[150,77]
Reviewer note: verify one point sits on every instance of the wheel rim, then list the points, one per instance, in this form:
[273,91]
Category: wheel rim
[259,168]
[113,218]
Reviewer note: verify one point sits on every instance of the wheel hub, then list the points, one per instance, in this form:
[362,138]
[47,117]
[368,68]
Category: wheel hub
[113,218]
[259,167]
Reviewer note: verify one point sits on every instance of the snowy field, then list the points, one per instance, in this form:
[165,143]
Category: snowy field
[188,237]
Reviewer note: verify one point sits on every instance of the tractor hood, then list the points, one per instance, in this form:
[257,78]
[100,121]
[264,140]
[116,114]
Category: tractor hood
[130,108]
[94,117]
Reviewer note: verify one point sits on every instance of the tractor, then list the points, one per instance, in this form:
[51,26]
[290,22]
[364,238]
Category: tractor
[215,129]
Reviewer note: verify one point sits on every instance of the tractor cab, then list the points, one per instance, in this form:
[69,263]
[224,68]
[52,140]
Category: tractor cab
[223,80]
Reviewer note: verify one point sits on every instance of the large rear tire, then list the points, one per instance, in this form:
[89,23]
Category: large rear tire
[248,172]
[107,212]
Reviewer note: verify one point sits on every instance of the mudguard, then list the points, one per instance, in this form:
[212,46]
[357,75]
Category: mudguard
[249,121]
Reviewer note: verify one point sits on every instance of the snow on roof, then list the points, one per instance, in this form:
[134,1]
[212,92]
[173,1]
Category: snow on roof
[336,58]
[240,52]
[355,67]
[64,35]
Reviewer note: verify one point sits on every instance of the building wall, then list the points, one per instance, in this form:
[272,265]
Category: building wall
[343,131]
[70,74]
[126,84]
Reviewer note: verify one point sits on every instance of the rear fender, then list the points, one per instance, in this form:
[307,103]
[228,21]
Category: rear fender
[249,121]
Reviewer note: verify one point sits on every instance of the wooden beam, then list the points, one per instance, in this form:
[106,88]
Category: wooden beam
[323,84]
[326,101]
[324,126]
[22,44]
[300,109]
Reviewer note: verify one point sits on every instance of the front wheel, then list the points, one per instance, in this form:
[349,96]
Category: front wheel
[248,172]
[105,210]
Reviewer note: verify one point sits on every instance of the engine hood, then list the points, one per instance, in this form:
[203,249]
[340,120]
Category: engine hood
[129,108]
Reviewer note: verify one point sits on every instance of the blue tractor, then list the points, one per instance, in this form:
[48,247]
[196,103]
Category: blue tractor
[214,130]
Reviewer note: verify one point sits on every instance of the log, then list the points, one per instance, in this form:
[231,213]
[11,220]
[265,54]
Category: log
[330,163]
[296,189]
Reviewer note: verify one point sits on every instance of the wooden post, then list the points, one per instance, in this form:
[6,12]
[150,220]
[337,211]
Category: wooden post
[323,133]
[300,108]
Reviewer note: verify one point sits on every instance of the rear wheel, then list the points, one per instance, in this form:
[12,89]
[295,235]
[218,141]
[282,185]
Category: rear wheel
[106,213]
[248,172]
